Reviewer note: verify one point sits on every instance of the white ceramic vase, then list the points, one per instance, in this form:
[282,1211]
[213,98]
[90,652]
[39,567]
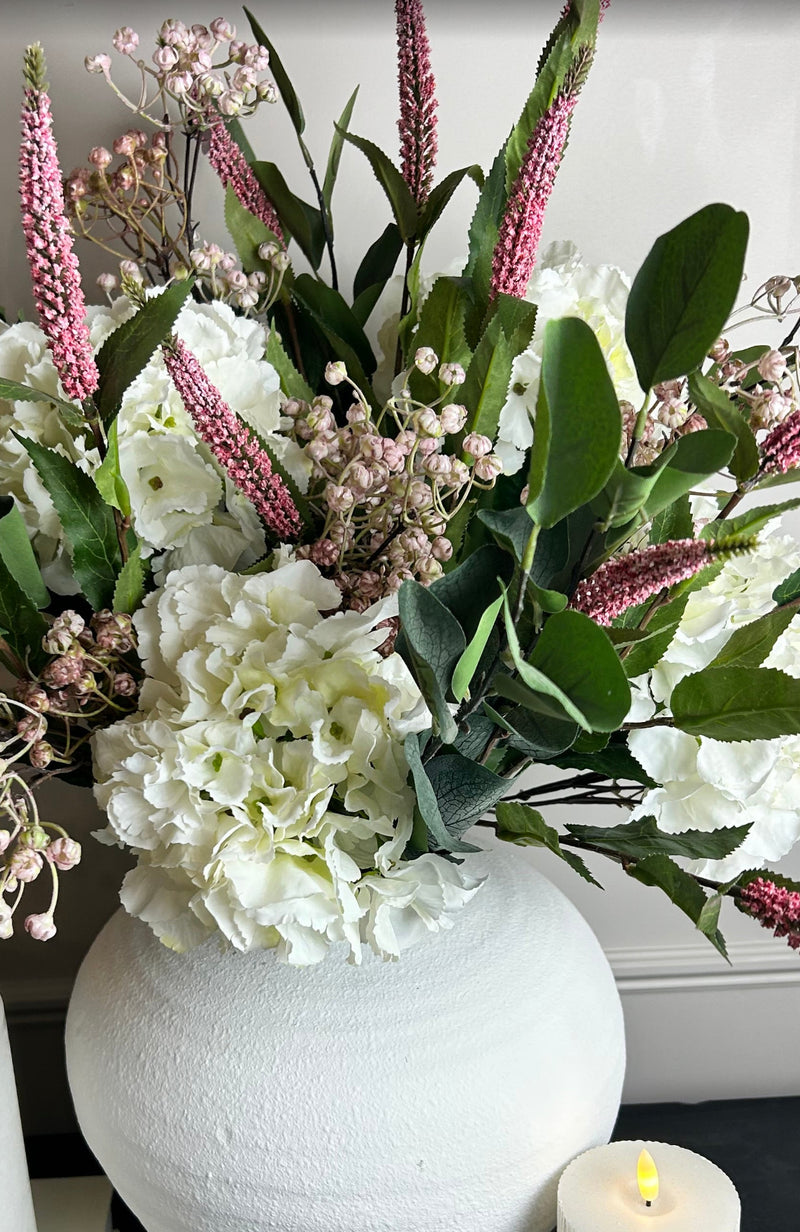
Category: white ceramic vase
[224,1092]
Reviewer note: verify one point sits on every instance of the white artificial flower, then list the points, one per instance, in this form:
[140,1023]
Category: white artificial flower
[184,509]
[263,785]
[563,285]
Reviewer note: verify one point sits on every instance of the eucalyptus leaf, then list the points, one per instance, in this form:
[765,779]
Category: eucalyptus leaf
[87,520]
[615,762]
[132,345]
[696,456]
[737,703]
[578,656]
[466,590]
[427,802]
[719,412]
[684,292]
[525,826]
[436,641]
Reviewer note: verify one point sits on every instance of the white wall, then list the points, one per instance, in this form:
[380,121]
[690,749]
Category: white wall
[687,103]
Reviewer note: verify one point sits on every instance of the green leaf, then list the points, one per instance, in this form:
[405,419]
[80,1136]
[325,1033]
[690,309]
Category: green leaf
[108,477]
[485,389]
[641,838]
[719,412]
[440,196]
[247,233]
[335,152]
[331,312]
[87,520]
[465,790]
[17,554]
[302,221]
[404,207]
[614,762]
[468,662]
[441,326]
[627,490]
[436,641]
[578,423]
[696,456]
[520,824]
[132,345]
[579,657]
[680,888]
[750,644]
[517,320]
[465,591]
[292,383]
[482,239]
[427,802]
[684,292]
[375,271]
[130,589]
[749,523]
[234,127]
[21,625]
[788,590]
[280,76]
[674,522]
[660,631]
[510,527]
[737,703]
[13,391]
[533,735]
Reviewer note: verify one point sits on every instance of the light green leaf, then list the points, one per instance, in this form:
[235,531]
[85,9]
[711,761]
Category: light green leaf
[87,520]
[468,662]
[737,703]
[578,423]
[132,345]
[108,477]
[335,152]
[130,588]
[17,554]
[684,292]
[292,383]
[441,327]
[485,389]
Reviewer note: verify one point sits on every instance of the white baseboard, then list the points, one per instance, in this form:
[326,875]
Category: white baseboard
[698,966]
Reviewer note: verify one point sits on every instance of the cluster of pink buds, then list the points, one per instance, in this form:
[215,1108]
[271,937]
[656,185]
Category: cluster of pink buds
[770,400]
[387,497]
[202,69]
[774,907]
[91,672]
[28,845]
[223,276]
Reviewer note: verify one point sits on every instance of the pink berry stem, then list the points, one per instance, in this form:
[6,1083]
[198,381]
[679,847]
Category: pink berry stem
[233,170]
[417,123]
[627,580]
[774,907]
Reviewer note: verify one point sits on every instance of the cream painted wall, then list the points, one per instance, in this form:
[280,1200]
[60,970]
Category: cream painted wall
[687,103]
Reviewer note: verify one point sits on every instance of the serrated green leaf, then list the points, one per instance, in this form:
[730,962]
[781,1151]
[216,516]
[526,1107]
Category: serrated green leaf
[292,383]
[684,293]
[132,345]
[578,424]
[130,588]
[749,523]
[674,522]
[436,641]
[679,887]
[750,644]
[737,703]
[280,76]
[14,391]
[247,233]
[335,152]
[427,802]
[21,625]
[440,196]
[659,633]
[302,221]
[719,412]
[332,313]
[485,389]
[615,762]
[483,234]
[788,590]
[18,555]
[441,327]
[524,826]
[108,477]
[398,194]
[87,520]
[642,837]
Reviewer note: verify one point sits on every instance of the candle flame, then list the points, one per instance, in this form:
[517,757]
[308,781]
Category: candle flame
[647,1176]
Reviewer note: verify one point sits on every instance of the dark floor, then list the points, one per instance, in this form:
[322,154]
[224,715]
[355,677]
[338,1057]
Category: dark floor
[756,1141]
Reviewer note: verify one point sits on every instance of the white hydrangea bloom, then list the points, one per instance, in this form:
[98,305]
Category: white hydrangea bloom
[706,784]
[183,508]
[263,784]
[563,285]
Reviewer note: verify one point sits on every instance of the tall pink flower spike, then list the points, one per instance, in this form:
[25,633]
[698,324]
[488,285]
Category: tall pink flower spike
[233,170]
[521,227]
[781,449]
[774,907]
[417,123]
[56,279]
[232,443]
[628,580]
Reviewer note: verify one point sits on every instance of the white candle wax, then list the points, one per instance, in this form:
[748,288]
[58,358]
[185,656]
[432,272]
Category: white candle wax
[599,1192]
[14,1184]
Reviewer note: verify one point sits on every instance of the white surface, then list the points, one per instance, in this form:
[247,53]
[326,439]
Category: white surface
[222,1092]
[72,1204]
[599,1192]
[15,1191]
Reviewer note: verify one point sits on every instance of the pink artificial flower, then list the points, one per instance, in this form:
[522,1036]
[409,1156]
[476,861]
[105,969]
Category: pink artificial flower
[774,907]
[40,926]
[627,580]
[232,443]
[781,449]
[57,288]
[232,168]
[65,853]
[417,123]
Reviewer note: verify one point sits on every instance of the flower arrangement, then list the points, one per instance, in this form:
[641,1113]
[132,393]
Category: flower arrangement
[304,618]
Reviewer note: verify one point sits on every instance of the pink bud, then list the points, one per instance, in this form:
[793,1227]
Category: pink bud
[339,498]
[222,30]
[236,280]
[488,468]
[336,372]
[25,864]
[98,64]
[125,41]
[41,754]
[230,102]
[165,58]
[40,927]
[477,445]
[442,548]
[452,374]
[179,84]
[106,283]
[100,157]
[6,923]
[123,145]
[426,359]
[244,79]
[772,366]
[427,423]
[65,853]
[453,418]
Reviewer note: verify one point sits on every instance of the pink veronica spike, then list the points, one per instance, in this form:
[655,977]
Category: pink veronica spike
[774,907]
[417,123]
[56,279]
[233,170]
[628,580]
[781,449]
[234,446]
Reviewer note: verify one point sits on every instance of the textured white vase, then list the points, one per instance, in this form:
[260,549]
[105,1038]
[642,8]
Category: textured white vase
[223,1092]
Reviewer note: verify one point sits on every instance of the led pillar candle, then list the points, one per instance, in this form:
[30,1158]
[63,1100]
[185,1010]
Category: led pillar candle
[646,1187]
